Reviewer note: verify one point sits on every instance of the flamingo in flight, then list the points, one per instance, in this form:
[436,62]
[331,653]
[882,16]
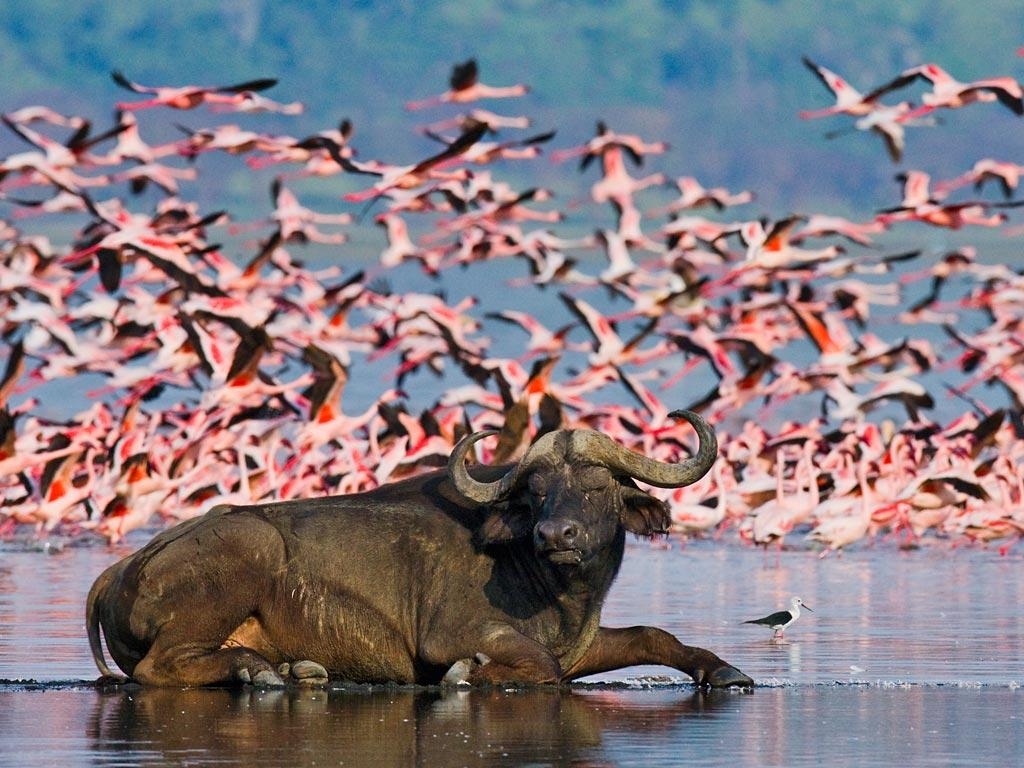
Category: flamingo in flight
[407,176]
[189,96]
[890,123]
[920,205]
[849,101]
[465,86]
[1007,174]
[950,93]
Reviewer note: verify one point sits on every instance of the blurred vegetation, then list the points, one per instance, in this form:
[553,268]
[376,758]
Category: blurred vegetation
[721,81]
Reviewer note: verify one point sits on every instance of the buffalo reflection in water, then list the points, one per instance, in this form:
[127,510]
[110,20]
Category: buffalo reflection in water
[391,727]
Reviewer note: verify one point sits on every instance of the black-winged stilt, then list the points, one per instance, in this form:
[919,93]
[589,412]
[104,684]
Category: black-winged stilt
[779,620]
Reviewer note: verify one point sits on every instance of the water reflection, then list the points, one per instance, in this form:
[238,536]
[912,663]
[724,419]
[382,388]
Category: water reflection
[391,728]
[863,725]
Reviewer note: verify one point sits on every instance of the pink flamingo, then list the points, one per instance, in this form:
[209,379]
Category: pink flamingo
[849,101]
[693,194]
[407,177]
[166,177]
[188,96]
[51,162]
[63,491]
[40,113]
[484,152]
[920,205]
[820,224]
[296,223]
[845,519]
[771,248]
[250,102]
[542,341]
[402,248]
[1007,175]
[774,519]
[949,93]
[609,348]
[493,119]
[694,518]
[129,145]
[890,123]
[465,86]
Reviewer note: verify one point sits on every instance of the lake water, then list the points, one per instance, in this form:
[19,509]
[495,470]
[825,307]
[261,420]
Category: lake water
[909,656]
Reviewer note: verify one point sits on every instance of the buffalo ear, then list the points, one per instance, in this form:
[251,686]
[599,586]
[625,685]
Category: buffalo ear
[504,525]
[643,514]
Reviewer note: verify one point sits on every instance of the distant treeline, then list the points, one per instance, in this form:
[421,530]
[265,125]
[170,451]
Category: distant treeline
[722,81]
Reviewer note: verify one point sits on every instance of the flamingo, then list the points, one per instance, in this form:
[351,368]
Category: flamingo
[122,236]
[1006,174]
[250,102]
[52,162]
[949,93]
[483,152]
[188,96]
[608,347]
[771,248]
[62,488]
[410,176]
[844,520]
[542,341]
[890,123]
[228,138]
[465,87]
[494,120]
[129,145]
[919,204]
[605,138]
[820,224]
[40,113]
[693,194]
[402,248]
[690,518]
[297,223]
[775,518]
[849,101]
[139,177]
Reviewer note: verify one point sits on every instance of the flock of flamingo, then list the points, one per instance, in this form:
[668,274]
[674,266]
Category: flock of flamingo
[823,361]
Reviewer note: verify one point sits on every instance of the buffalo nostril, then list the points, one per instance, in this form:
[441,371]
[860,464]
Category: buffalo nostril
[569,533]
[558,535]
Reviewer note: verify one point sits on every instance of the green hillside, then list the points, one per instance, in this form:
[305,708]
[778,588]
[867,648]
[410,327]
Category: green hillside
[721,81]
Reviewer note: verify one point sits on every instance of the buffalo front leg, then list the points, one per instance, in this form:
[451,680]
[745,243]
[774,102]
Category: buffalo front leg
[503,655]
[629,646]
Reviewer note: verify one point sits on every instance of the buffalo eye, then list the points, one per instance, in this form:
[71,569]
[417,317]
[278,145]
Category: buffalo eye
[594,479]
[537,487]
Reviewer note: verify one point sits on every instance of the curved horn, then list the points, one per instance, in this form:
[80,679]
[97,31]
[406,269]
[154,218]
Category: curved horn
[485,493]
[600,449]
[464,483]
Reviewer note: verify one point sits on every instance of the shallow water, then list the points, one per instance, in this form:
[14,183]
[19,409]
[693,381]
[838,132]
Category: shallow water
[916,654]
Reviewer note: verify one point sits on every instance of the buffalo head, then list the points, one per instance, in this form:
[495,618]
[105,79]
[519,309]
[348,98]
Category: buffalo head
[574,491]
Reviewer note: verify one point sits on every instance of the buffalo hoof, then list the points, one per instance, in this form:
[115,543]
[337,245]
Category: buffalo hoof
[462,670]
[267,678]
[309,673]
[105,681]
[728,677]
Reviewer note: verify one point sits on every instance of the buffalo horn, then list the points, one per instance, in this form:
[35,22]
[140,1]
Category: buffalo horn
[597,449]
[471,488]
[600,449]
[485,493]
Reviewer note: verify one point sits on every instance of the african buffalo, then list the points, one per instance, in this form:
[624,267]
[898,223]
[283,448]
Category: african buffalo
[492,577]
